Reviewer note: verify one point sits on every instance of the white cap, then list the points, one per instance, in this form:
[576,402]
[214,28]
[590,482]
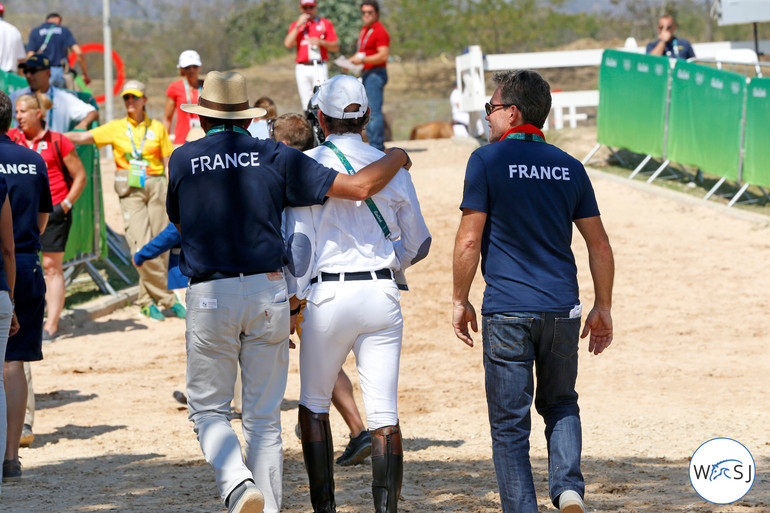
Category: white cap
[189,58]
[337,93]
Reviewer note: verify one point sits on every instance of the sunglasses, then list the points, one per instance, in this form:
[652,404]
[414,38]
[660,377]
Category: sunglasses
[665,27]
[308,7]
[127,97]
[491,107]
[32,71]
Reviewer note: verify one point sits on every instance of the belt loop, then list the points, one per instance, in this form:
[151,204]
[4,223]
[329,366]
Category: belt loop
[242,278]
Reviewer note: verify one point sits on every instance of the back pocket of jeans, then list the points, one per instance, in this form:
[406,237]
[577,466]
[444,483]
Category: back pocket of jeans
[509,338]
[565,336]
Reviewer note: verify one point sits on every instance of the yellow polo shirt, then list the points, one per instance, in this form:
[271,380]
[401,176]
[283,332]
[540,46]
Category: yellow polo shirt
[157,144]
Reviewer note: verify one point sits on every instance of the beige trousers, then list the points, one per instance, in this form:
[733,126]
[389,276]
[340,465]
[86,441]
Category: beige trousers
[144,217]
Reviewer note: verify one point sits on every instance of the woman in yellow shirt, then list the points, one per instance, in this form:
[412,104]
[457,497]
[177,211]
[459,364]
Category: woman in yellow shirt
[141,147]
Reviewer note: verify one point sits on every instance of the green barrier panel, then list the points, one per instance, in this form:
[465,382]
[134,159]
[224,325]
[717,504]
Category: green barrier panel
[88,235]
[756,157]
[10,82]
[632,101]
[704,123]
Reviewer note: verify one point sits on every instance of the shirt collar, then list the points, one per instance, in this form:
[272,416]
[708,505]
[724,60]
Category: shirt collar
[524,129]
[348,136]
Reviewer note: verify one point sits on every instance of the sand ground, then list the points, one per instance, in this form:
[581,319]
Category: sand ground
[689,363]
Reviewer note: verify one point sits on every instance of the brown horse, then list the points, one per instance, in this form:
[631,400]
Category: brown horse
[432,130]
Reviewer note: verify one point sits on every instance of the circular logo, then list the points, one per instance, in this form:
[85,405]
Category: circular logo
[722,470]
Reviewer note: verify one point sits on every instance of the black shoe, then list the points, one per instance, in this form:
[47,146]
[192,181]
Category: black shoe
[180,397]
[11,470]
[357,450]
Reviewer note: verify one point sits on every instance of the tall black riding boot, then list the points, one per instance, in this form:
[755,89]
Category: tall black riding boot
[387,468]
[318,452]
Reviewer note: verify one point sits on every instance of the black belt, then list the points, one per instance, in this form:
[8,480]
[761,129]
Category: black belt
[310,63]
[219,276]
[379,274]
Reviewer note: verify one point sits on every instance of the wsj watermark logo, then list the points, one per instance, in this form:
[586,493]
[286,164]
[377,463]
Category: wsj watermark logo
[722,470]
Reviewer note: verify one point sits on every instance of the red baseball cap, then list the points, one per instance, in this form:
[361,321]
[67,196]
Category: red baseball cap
[2,8]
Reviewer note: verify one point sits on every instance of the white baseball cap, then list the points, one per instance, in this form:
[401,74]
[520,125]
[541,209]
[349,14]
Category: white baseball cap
[337,93]
[189,58]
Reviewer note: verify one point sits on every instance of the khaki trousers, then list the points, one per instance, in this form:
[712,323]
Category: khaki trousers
[144,217]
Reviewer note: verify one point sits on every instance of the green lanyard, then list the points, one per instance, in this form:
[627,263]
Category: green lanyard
[369,202]
[525,137]
[228,128]
[137,154]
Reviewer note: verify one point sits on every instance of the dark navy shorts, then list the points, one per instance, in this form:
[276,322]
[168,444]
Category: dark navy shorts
[29,295]
[54,238]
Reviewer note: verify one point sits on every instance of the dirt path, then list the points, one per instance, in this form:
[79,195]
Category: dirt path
[689,363]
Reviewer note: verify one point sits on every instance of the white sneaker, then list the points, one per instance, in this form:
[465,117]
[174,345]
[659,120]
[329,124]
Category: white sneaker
[571,502]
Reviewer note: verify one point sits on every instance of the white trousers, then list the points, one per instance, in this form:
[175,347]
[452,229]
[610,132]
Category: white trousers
[364,316]
[246,320]
[307,77]
[6,313]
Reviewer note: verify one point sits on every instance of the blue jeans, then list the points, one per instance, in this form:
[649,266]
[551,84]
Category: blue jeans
[374,82]
[512,342]
[57,77]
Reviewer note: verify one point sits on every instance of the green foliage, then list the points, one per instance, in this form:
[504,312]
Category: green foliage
[257,32]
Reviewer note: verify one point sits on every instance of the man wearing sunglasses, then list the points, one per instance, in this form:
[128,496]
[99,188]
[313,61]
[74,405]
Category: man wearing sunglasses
[314,38]
[668,44]
[372,50]
[521,198]
[66,107]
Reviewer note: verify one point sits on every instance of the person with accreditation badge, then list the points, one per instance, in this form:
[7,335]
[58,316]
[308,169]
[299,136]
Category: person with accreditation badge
[314,38]
[372,51]
[344,259]
[520,200]
[226,195]
[141,148]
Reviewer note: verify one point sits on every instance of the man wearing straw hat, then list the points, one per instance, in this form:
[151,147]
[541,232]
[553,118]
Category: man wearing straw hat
[226,194]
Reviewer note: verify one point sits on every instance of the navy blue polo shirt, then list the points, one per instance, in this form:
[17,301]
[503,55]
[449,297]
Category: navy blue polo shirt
[531,192]
[56,50]
[676,48]
[28,191]
[227,191]
[3,193]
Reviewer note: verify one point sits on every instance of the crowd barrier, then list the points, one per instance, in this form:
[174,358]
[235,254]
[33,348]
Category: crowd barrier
[686,113]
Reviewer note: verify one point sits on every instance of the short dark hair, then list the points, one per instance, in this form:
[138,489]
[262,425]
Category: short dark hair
[373,3]
[53,15]
[528,91]
[269,105]
[6,112]
[345,126]
[295,130]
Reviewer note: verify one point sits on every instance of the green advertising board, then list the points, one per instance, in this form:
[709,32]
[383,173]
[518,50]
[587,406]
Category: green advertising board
[704,126]
[756,158]
[632,101]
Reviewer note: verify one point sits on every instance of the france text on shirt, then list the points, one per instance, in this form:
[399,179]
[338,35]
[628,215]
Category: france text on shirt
[543,173]
[18,169]
[226,161]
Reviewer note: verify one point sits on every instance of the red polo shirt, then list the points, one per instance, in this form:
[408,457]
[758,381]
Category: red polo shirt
[319,27]
[370,38]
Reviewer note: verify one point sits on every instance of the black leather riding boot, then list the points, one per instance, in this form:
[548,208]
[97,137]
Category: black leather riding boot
[387,468]
[318,452]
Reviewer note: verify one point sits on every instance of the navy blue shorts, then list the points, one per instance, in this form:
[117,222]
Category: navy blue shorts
[29,295]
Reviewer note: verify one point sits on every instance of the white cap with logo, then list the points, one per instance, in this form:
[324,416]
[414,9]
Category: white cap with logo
[339,92]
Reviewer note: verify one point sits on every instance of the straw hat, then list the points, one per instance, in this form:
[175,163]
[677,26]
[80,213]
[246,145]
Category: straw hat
[224,97]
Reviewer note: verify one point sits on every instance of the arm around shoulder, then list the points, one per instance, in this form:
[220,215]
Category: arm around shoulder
[371,179]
